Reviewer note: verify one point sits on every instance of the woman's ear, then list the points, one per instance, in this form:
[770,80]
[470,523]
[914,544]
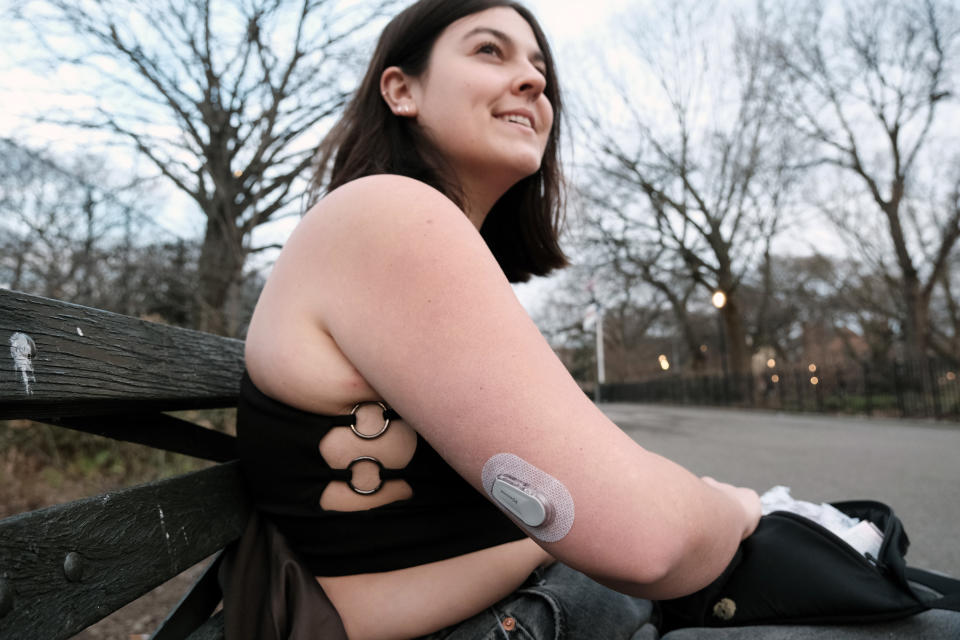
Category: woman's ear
[397,91]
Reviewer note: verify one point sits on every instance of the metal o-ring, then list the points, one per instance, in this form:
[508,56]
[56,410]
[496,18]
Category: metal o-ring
[386,421]
[365,492]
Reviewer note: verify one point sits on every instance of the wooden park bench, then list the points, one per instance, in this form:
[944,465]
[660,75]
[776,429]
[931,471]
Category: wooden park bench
[65,567]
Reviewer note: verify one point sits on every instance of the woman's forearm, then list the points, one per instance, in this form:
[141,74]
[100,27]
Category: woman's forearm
[701,525]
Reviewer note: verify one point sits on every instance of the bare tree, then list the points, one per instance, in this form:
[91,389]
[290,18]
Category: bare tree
[632,319]
[617,254]
[945,307]
[785,294]
[798,300]
[70,229]
[692,194]
[869,84]
[59,223]
[225,99]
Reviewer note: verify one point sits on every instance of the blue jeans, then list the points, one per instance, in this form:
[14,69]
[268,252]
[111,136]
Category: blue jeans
[563,604]
[555,604]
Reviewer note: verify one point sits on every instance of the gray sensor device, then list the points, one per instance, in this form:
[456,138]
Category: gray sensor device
[535,500]
[519,499]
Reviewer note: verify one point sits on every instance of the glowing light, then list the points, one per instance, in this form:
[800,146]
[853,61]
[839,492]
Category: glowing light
[719,299]
[703,348]
[774,378]
[814,380]
[951,376]
[811,367]
[771,363]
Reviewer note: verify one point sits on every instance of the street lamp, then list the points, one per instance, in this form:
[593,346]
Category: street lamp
[594,315]
[719,299]
[601,367]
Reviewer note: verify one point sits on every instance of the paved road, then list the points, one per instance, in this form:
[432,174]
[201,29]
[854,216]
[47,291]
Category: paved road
[912,465]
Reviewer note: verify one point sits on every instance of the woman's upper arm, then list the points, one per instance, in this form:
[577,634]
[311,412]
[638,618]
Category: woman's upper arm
[412,296]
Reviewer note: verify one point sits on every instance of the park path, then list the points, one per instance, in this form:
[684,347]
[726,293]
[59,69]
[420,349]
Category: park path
[912,465]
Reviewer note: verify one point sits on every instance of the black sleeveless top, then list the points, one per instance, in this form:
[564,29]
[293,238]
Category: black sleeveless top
[286,475]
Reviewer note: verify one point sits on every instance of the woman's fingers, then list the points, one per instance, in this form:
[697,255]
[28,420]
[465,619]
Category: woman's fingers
[745,497]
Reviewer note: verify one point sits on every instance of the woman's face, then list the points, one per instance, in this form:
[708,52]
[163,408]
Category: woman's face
[481,100]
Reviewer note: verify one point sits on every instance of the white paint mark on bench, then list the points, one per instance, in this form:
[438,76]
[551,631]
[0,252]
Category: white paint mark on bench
[79,333]
[22,350]
[163,527]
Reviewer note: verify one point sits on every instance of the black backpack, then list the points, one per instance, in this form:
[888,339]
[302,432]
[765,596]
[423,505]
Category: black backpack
[794,571]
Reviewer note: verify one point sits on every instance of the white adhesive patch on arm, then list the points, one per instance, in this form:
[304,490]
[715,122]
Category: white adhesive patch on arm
[536,501]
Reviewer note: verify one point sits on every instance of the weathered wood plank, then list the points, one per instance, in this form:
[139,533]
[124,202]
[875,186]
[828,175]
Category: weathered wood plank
[195,607]
[91,361]
[159,431]
[65,567]
[211,630]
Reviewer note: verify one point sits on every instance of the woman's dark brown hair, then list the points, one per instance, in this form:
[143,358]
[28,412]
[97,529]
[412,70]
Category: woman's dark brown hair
[523,226]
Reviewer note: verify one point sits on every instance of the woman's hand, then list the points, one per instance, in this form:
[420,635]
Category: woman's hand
[746,498]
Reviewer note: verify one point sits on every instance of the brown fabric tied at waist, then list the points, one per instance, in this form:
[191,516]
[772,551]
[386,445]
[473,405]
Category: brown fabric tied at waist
[268,594]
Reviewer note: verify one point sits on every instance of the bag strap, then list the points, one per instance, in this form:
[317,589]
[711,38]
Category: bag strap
[948,587]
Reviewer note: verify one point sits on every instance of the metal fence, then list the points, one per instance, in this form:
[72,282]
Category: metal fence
[923,389]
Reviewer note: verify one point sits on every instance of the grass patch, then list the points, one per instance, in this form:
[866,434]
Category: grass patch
[42,465]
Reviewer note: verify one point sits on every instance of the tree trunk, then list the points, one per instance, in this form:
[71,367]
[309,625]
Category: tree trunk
[738,356]
[698,360]
[220,265]
[916,323]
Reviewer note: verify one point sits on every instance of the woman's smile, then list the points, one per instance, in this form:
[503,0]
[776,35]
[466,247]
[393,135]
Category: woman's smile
[522,118]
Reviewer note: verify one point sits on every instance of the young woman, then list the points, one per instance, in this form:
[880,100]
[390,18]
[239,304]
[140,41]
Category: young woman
[390,367]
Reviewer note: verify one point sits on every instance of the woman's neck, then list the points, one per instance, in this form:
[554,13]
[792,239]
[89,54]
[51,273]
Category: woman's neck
[479,196]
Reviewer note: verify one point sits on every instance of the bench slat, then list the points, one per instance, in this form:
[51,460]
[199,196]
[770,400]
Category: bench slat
[89,361]
[195,607]
[70,565]
[159,431]
[212,629]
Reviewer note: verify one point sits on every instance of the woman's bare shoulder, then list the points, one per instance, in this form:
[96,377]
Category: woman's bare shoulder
[380,195]
[378,183]
[316,276]
[379,228]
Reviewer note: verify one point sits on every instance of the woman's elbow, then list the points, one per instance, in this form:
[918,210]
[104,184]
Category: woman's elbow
[674,567]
